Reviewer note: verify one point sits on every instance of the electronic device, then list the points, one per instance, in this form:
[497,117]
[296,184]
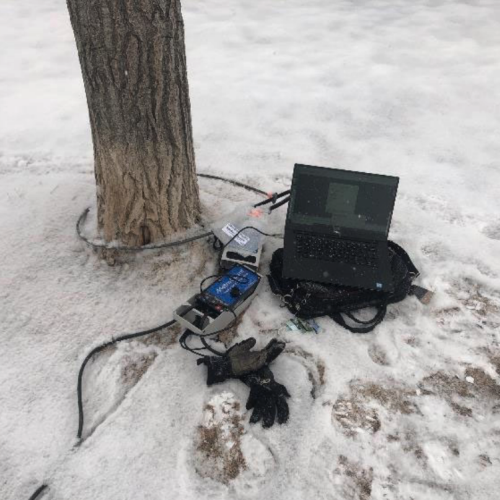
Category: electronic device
[215,307]
[243,247]
[337,226]
[231,256]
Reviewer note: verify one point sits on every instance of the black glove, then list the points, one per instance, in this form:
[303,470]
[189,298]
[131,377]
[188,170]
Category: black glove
[239,360]
[267,397]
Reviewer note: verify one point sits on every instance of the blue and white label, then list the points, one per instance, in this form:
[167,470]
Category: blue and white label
[239,277]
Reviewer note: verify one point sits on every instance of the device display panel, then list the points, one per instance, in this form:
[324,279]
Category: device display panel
[343,199]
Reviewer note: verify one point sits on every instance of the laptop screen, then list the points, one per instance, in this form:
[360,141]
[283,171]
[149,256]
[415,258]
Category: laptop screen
[342,199]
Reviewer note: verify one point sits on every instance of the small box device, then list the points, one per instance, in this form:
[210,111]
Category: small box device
[231,256]
[221,302]
[244,248]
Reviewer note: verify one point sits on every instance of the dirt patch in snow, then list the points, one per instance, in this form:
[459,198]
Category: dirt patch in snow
[394,397]
[475,383]
[354,417]
[495,361]
[447,385]
[480,301]
[378,355]
[136,367]
[219,455]
[316,369]
[484,460]
[356,412]
[462,392]
[483,384]
[476,300]
[164,338]
[229,335]
[461,410]
[356,480]
[446,315]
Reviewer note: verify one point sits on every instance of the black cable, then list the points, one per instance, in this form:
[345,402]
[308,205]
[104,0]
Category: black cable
[99,349]
[272,199]
[83,216]
[228,327]
[255,229]
[38,491]
[361,322]
[146,332]
[207,278]
[183,343]
[206,346]
[198,322]
[129,336]
[234,183]
[277,205]
[210,348]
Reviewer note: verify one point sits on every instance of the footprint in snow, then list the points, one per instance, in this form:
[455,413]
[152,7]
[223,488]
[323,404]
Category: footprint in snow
[314,366]
[352,480]
[357,412]
[225,451]
[110,379]
[378,355]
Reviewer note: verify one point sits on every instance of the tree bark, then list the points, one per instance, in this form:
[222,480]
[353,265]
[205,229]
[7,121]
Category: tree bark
[133,62]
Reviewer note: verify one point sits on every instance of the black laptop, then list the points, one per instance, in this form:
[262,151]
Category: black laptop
[337,225]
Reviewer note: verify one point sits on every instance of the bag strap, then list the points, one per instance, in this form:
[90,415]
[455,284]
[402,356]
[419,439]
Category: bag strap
[412,270]
[368,325]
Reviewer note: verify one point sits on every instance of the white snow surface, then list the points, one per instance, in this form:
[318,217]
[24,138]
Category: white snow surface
[410,412]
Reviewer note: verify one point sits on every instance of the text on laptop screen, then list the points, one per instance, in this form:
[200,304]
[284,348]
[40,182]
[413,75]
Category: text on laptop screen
[343,199]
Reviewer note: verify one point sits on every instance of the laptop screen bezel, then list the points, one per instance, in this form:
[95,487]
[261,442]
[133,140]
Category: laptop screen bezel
[340,231]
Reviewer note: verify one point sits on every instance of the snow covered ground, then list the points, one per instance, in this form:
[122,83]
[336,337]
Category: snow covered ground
[410,412]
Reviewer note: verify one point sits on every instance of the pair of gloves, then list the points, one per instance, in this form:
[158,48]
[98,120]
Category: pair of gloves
[267,397]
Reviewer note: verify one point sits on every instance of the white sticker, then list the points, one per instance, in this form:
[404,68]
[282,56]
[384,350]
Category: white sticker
[231,230]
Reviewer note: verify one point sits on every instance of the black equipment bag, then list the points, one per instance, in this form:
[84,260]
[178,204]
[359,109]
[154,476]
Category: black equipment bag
[307,299]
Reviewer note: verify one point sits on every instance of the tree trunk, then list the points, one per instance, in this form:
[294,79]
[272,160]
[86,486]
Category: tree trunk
[133,62]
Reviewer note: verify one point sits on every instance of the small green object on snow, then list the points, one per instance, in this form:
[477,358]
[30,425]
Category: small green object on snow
[302,325]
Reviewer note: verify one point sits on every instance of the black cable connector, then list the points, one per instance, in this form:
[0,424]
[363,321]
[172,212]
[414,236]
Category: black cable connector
[272,199]
[277,205]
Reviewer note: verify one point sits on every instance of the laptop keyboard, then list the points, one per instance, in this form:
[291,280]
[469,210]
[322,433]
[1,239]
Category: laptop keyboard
[344,251]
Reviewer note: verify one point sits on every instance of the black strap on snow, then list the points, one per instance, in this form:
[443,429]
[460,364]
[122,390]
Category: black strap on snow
[410,266]
[368,325]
